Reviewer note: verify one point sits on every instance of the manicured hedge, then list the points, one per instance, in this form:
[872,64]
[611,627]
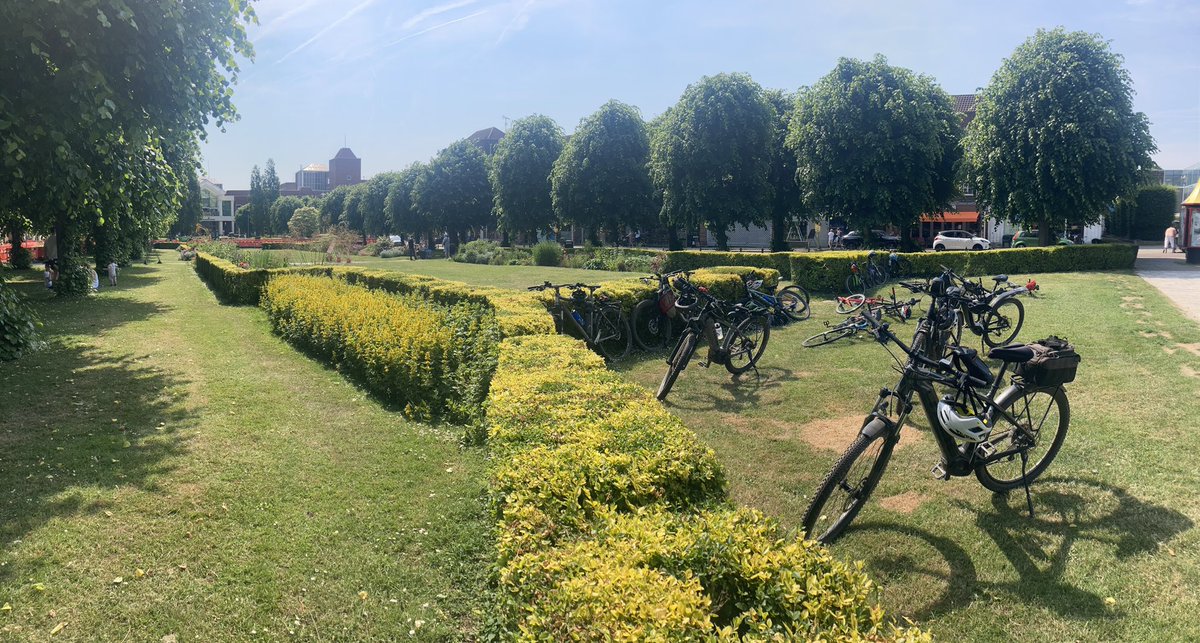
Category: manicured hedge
[613,522]
[694,259]
[434,361]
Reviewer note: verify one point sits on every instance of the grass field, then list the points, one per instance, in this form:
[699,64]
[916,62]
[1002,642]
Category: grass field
[1113,552]
[169,467]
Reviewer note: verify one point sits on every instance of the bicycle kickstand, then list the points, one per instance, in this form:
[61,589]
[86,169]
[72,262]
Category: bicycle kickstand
[1025,481]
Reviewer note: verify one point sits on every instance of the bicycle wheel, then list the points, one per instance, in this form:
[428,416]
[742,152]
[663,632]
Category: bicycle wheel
[613,336]
[1042,416]
[677,362]
[855,284]
[846,488]
[745,344]
[651,328]
[794,301]
[847,305]
[875,276]
[1001,324]
[829,336]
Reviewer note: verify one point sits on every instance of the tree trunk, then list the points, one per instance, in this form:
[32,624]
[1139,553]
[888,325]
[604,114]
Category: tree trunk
[505,242]
[722,236]
[673,242]
[592,234]
[1044,232]
[778,233]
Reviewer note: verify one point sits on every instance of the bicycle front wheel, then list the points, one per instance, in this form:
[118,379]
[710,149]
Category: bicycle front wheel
[794,301]
[855,284]
[613,336]
[745,344]
[847,305]
[1002,322]
[677,362]
[847,487]
[1029,421]
[828,337]
[651,328]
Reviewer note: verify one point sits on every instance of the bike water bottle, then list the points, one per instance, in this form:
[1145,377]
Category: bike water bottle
[577,317]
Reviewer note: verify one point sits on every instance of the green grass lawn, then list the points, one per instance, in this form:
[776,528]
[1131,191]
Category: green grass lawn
[1112,554]
[516,277]
[168,466]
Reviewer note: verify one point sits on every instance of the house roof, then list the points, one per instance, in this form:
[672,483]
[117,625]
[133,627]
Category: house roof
[964,102]
[488,134]
[315,167]
[344,154]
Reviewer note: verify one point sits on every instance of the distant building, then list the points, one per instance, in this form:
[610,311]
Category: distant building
[217,207]
[344,169]
[486,139]
[314,176]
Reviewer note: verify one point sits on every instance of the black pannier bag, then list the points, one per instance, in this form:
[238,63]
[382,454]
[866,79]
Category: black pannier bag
[1054,362]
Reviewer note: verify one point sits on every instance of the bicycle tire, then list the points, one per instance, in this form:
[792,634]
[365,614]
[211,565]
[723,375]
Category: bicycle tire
[847,305]
[651,328]
[855,284]
[991,475]
[996,324]
[749,338]
[794,301]
[828,337]
[613,336]
[856,483]
[677,362]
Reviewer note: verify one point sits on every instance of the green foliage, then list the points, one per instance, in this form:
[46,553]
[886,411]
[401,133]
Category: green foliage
[454,192]
[434,361]
[18,325]
[375,216]
[615,259]
[402,213]
[483,251]
[351,216]
[520,174]
[601,180]
[786,204]
[875,145]
[712,154]
[374,249]
[1055,135]
[282,211]
[332,206]
[20,258]
[1155,209]
[547,253]
[190,210]
[305,222]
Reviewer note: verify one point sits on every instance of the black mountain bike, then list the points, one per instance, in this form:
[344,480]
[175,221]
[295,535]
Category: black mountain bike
[995,315]
[787,304]
[653,318]
[599,322]
[1006,438]
[736,334]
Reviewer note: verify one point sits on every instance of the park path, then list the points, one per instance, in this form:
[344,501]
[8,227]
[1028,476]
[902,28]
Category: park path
[1168,272]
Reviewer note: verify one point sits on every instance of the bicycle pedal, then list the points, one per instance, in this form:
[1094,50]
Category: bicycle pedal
[939,471]
[985,450]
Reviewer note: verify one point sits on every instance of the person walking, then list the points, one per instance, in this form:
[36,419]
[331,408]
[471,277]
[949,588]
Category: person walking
[1169,239]
[112,273]
[832,237]
[412,249]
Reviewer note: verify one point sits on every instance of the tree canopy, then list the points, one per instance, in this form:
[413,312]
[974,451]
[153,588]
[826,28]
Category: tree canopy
[713,153]
[875,145]
[520,174]
[1055,136]
[402,213]
[454,193]
[601,179]
[785,205]
[304,222]
[281,212]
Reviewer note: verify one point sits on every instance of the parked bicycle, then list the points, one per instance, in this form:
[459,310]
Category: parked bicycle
[653,318]
[599,322]
[736,334]
[788,304]
[995,315]
[900,309]
[1006,438]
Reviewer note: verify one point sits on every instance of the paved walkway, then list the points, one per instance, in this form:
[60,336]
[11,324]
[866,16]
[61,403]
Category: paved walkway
[1168,272]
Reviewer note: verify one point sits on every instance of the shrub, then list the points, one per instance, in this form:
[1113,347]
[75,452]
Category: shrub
[547,253]
[434,361]
[1156,206]
[374,249]
[482,251]
[20,258]
[18,325]
[392,253]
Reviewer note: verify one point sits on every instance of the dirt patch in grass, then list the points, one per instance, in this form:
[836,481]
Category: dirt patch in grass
[1194,349]
[904,503]
[828,434]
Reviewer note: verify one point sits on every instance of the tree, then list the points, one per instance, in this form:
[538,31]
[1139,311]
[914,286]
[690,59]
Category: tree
[332,206]
[190,210]
[785,205]
[402,213]
[520,174]
[257,199]
[601,179]
[374,203]
[281,212]
[712,160]
[876,145]
[1154,208]
[454,193]
[304,222]
[1055,136]
[352,210]
[264,191]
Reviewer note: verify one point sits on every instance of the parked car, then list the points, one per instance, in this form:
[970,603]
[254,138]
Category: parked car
[1029,238]
[959,240]
[853,239]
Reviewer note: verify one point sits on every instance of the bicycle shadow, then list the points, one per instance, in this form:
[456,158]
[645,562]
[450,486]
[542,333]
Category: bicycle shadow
[1068,511]
[735,392]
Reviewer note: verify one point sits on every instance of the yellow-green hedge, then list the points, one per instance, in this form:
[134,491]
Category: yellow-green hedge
[434,361]
[613,522]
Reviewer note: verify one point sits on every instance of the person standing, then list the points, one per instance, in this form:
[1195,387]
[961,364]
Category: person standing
[112,273]
[412,249]
[832,237]
[446,244]
[1169,239]
[95,279]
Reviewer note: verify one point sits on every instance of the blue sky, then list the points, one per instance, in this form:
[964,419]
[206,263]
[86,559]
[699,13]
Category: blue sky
[400,80]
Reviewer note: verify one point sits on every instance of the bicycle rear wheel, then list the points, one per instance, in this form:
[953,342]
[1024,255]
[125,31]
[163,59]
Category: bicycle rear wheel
[828,337]
[745,343]
[613,336]
[855,284]
[677,362]
[1002,322]
[1042,416]
[847,305]
[651,328]
[846,488]
[794,301]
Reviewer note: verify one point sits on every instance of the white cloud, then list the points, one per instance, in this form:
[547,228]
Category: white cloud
[436,27]
[433,11]
[330,27]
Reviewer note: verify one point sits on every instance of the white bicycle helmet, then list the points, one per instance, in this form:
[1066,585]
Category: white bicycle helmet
[958,420]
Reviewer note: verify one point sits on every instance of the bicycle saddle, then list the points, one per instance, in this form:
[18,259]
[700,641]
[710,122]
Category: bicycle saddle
[1000,279]
[1013,353]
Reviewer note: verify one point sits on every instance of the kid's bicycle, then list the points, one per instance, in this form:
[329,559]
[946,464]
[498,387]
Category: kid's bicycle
[599,322]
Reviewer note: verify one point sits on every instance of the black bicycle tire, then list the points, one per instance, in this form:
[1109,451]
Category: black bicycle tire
[838,474]
[855,279]
[677,362]
[1059,394]
[615,349]
[994,310]
[828,337]
[801,296]
[740,331]
[647,311]
[842,309]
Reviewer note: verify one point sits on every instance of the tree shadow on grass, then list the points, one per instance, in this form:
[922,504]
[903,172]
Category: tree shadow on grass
[739,392]
[1067,510]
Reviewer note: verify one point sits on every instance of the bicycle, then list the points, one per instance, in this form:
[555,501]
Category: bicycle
[847,328]
[984,433]
[736,335]
[599,322]
[857,282]
[653,318]
[900,309]
[788,304]
[995,315]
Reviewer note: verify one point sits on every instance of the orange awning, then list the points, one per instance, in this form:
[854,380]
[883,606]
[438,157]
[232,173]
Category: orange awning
[951,217]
